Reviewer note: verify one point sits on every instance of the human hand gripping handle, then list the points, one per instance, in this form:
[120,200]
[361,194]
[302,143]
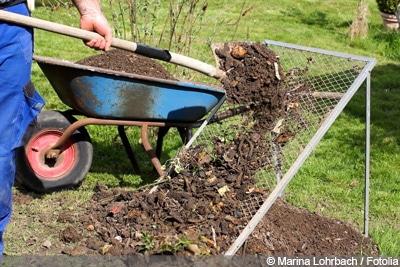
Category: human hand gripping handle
[93,19]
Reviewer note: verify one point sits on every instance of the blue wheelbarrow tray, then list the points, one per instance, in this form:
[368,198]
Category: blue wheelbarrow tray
[102,93]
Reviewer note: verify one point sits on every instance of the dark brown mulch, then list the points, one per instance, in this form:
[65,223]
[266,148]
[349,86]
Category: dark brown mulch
[201,205]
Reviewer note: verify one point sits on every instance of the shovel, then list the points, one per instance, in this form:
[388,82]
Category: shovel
[140,49]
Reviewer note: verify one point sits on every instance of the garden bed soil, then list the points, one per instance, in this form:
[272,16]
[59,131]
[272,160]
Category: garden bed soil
[198,210]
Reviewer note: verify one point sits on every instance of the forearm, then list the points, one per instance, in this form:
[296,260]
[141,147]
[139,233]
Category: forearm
[93,19]
[88,7]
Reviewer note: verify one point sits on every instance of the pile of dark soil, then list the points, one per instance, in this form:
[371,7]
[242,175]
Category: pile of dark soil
[124,61]
[198,210]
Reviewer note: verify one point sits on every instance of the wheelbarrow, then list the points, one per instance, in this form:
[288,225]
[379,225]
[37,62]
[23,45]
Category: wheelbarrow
[59,152]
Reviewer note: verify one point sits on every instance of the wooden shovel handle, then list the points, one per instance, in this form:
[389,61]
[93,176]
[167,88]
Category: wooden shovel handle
[140,49]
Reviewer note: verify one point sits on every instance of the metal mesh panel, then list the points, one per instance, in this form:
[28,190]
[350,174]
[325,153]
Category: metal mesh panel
[330,79]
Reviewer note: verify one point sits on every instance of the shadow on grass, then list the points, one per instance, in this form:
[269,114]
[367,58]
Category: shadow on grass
[112,159]
[385,110]
[317,18]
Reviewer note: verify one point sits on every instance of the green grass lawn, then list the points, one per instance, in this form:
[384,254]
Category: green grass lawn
[325,181]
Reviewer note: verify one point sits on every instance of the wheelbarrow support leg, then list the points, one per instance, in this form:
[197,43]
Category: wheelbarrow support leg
[184,132]
[162,131]
[128,149]
[149,150]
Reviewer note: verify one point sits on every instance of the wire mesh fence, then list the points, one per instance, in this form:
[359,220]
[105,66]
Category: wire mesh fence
[319,84]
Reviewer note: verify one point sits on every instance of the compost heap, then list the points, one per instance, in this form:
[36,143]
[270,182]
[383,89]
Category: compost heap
[198,210]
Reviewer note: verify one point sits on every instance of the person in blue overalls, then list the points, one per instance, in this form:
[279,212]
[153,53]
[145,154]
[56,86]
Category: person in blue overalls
[19,101]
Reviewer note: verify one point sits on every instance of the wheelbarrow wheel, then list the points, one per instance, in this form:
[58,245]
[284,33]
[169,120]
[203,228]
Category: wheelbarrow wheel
[40,174]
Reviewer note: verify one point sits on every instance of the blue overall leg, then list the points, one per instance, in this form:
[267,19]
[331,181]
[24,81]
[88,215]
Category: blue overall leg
[18,107]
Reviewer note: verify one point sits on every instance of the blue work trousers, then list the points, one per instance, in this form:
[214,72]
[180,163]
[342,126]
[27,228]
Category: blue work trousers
[19,104]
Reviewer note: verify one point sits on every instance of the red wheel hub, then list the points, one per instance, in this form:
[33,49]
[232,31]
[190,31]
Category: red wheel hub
[50,169]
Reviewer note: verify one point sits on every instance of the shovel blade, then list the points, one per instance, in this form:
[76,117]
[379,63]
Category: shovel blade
[217,49]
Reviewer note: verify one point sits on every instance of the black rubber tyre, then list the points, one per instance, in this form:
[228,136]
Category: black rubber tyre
[41,175]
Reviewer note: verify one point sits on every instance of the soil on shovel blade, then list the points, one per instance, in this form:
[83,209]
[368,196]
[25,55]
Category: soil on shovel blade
[198,210]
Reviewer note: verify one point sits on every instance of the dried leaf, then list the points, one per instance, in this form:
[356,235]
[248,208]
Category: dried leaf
[223,190]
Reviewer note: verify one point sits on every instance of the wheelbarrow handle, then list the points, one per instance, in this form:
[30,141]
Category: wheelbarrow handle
[140,49]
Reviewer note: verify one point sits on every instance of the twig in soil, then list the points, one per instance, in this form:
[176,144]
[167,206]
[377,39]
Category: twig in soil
[153,185]
[214,236]
[239,180]
[277,71]
[106,200]
[187,184]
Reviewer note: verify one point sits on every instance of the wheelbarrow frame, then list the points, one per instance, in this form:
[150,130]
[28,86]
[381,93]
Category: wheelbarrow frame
[184,129]
[106,97]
